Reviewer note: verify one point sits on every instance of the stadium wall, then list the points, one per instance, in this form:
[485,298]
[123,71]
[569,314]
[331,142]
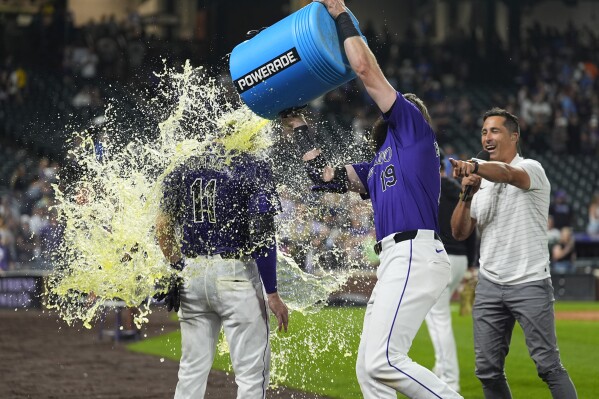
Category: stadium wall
[557,14]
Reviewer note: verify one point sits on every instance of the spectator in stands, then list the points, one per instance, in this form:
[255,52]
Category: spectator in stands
[563,253]
[10,208]
[5,263]
[553,234]
[561,211]
[17,84]
[50,238]
[18,180]
[3,87]
[593,226]
[559,135]
[7,249]
[540,109]
[27,243]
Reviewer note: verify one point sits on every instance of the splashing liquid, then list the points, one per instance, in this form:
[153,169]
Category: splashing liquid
[109,250]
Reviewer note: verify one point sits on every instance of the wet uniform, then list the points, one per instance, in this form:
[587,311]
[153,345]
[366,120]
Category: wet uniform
[403,182]
[212,202]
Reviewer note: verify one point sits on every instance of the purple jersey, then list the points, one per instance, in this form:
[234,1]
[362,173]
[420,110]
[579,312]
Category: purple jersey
[403,179]
[211,201]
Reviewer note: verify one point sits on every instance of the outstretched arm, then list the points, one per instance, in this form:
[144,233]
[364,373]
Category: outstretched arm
[334,179]
[497,172]
[328,173]
[361,58]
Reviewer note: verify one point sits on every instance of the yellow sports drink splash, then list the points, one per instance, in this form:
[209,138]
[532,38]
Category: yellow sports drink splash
[109,249]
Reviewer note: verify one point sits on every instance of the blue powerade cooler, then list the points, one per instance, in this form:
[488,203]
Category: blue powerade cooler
[291,62]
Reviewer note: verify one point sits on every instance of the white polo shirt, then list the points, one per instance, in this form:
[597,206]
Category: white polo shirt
[513,227]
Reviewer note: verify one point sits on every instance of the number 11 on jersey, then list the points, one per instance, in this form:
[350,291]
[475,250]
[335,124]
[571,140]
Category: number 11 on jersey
[204,200]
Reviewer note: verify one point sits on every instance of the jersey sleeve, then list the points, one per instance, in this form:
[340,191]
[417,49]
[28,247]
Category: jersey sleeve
[263,196]
[406,122]
[362,170]
[536,173]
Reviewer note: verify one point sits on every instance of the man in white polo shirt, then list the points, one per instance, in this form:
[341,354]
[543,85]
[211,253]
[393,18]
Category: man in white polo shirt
[510,209]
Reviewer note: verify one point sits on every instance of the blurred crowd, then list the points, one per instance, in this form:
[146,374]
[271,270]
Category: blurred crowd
[552,85]
[29,228]
[558,96]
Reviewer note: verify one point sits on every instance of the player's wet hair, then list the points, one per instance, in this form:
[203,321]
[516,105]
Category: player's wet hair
[379,129]
[379,133]
[414,99]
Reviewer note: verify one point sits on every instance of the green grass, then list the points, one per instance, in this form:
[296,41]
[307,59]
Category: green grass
[318,354]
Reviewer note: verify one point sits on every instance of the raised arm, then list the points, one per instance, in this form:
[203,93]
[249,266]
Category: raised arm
[361,58]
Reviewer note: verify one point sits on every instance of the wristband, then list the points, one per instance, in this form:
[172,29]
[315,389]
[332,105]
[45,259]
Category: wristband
[315,168]
[339,184]
[475,167]
[304,139]
[340,179]
[346,26]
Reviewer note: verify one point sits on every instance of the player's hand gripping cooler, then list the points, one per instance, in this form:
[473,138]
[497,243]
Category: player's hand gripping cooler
[291,62]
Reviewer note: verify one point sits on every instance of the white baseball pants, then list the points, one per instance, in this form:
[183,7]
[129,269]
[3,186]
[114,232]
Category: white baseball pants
[225,292]
[438,321]
[411,277]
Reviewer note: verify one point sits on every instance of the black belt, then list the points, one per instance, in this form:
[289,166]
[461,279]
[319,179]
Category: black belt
[224,255]
[399,237]
[230,255]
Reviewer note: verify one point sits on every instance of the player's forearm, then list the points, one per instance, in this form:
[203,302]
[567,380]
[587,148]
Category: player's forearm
[360,57]
[461,222]
[167,241]
[355,184]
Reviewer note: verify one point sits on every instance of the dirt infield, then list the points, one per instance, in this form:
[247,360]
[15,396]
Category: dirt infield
[588,315]
[43,358]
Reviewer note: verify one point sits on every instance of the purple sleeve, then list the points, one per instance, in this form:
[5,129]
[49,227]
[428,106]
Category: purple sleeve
[362,170]
[266,259]
[264,198]
[406,122]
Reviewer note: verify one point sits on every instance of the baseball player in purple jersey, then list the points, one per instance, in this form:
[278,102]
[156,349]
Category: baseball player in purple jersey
[403,183]
[216,226]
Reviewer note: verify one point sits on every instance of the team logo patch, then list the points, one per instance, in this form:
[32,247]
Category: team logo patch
[265,71]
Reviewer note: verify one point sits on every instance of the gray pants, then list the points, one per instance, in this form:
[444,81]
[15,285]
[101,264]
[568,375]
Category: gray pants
[496,309]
